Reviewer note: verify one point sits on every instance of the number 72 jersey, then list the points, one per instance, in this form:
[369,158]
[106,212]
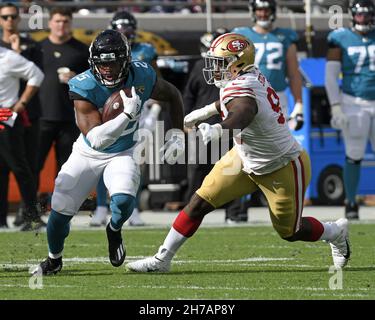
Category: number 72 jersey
[271,51]
[358,61]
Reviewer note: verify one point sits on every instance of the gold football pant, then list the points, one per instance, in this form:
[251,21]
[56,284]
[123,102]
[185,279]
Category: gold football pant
[284,188]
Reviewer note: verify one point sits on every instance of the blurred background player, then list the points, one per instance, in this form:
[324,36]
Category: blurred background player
[63,58]
[31,50]
[125,22]
[276,55]
[266,156]
[107,149]
[198,93]
[12,144]
[352,52]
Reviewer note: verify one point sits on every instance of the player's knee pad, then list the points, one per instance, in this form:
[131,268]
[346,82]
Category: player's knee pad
[63,203]
[122,204]
[352,161]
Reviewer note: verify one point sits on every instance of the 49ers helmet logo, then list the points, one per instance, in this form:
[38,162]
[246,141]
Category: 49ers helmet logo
[236,45]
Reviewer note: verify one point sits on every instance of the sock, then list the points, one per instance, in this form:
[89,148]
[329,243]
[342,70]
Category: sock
[352,172]
[186,225]
[122,206]
[317,228]
[330,231]
[183,228]
[57,230]
[101,193]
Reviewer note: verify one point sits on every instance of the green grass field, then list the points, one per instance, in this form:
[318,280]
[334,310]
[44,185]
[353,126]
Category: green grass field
[217,263]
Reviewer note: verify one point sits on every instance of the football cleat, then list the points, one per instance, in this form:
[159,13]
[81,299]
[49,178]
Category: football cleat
[157,263]
[340,247]
[351,210]
[48,267]
[135,219]
[34,225]
[117,252]
[99,217]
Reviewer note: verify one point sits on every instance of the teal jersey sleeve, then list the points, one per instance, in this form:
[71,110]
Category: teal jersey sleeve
[90,89]
[334,38]
[84,85]
[143,52]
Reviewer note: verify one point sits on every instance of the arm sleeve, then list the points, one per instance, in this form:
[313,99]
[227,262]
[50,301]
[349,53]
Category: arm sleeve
[332,72]
[101,137]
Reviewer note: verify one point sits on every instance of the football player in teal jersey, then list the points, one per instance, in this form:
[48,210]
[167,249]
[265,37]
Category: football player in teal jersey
[125,22]
[276,55]
[352,52]
[107,148]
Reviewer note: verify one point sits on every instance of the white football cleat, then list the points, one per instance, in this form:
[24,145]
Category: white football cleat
[340,246]
[100,217]
[158,263]
[135,219]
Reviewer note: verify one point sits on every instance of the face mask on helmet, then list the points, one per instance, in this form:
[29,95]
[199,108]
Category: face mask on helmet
[363,15]
[229,56]
[263,12]
[110,58]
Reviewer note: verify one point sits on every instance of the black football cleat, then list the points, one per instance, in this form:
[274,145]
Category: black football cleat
[48,267]
[351,211]
[34,225]
[117,252]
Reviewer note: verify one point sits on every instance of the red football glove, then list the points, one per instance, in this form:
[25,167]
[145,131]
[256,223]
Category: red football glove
[5,114]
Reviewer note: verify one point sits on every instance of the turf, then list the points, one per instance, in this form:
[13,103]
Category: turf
[217,263]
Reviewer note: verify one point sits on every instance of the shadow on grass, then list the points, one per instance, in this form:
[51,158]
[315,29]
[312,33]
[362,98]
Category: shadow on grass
[252,270]
[23,273]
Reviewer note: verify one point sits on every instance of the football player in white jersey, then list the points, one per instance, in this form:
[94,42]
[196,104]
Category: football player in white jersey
[265,156]
[352,51]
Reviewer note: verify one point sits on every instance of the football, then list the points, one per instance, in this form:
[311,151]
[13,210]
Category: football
[114,106]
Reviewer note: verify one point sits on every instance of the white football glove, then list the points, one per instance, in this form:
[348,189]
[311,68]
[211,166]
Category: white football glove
[199,115]
[296,120]
[173,148]
[339,119]
[132,105]
[210,132]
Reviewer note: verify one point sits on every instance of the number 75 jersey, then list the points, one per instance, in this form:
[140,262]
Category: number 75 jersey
[358,61]
[266,144]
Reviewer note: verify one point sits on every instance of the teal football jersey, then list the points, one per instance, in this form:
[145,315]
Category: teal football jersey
[143,52]
[271,49]
[357,62]
[141,75]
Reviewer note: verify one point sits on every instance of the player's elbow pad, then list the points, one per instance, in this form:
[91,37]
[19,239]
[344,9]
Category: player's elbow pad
[332,72]
[101,137]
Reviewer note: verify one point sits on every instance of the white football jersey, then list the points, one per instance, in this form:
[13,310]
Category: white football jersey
[266,144]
